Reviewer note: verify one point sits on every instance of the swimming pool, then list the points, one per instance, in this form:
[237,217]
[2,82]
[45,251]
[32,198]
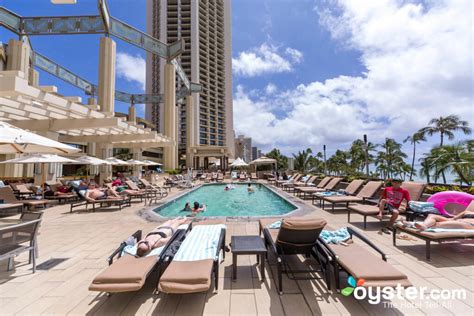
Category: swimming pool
[236,202]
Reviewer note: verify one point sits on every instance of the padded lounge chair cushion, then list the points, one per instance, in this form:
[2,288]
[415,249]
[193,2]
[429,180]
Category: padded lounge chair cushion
[303,223]
[362,264]
[354,186]
[365,209]
[126,274]
[436,235]
[187,277]
[342,199]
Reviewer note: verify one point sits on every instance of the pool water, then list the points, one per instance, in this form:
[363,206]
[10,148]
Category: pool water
[236,202]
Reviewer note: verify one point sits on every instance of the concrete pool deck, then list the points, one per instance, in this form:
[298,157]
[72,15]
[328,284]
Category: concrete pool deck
[73,248]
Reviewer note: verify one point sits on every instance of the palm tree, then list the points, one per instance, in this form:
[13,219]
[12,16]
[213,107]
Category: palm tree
[446,126]
[282,161]
[414,139]
[455,158]
[389,160]
[302,160]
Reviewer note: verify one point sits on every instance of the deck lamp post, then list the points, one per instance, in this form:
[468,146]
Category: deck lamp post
[324,157]
[366,153]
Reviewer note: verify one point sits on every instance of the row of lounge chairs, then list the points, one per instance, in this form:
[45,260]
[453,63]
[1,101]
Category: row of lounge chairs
[360,199]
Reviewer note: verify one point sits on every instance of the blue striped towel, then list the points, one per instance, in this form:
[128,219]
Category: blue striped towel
[132,250]
[274,225]
[422,207]
[200,244]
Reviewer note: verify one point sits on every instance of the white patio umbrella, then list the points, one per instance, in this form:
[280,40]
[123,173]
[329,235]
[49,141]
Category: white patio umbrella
[116,162]
[43,159]
[14,140]
[134,162]
[152,163]
[90,161]
[239,163]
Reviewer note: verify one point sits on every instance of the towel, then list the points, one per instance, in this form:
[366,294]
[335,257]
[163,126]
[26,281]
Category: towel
[274,225]
[335,236]
[449,230]
[200,244]
[132,250]
[423,207]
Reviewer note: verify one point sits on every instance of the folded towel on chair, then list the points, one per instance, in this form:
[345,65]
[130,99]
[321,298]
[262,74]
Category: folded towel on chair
[274,225]
[449,230]
[335,236]
[423,207]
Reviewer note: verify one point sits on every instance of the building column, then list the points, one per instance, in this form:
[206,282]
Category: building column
[137,154]
[105,150]
[190,130]
[206,163]
[170,153]
[18,53]
[106,91]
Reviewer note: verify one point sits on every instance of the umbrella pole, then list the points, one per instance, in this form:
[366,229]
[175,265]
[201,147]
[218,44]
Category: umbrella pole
[43,179]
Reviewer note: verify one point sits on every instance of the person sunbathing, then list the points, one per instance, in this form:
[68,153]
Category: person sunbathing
[159,236]
[464,220]
[94,194]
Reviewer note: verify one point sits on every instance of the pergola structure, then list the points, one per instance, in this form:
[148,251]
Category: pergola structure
[117,133]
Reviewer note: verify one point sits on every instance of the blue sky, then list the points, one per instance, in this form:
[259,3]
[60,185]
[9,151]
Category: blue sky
[308,73]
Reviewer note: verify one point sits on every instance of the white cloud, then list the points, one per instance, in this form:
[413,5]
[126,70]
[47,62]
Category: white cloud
[418,62]
[270,88]
[265,59]
[132,68]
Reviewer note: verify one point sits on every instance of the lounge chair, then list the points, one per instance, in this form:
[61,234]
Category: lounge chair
[129,273]
[66,197]
[196,261]
[298,235]
[367,192]
[290,186]
[158,189]
[429,236]
[253,176]
[350,190]
[415,189]
[6,194]
[21,190]
[309,189]
[19,238]
[361,263]
[291,179]
[331,186]
[125,201]
[140,193]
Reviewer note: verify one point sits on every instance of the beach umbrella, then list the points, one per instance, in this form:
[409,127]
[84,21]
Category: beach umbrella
[116,162]
[238,163]
[42,159]
[14,140]
[134,162]
[90,161]
[152,163]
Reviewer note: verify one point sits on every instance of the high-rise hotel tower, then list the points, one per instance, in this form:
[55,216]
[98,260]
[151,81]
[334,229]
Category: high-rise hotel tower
[205,130]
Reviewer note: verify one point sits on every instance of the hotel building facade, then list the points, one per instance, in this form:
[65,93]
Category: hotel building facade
[205,128]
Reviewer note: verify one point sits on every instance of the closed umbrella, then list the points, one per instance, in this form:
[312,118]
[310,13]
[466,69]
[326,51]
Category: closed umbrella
[43,159]
[14,140]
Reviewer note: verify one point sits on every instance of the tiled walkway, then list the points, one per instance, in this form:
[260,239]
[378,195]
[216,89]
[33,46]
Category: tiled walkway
[83,240]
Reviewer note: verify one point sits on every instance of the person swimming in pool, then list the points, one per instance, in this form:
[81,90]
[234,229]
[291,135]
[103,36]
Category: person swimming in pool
[229,187]
[187,208]
[250,188]
[198,208]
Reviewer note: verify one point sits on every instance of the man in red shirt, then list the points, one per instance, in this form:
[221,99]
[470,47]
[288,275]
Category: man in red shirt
[391,199]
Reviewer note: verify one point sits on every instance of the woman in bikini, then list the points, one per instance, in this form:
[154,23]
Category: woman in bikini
[464,220]
[159,236]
